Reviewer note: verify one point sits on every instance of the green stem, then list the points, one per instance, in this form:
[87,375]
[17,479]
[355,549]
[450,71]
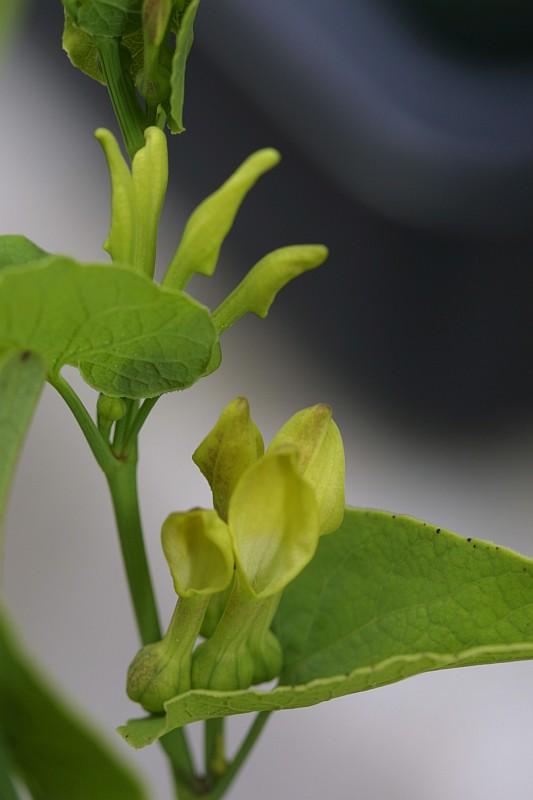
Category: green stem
[139,419]
[250,739]
[122,95]
[120,439]
[96,441]
[122,482]
[214,746]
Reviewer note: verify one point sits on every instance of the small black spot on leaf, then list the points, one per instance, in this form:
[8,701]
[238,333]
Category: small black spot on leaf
[25,355]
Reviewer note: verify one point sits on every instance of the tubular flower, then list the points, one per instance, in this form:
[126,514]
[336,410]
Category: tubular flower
[277,508]
[198,549]
[231,565]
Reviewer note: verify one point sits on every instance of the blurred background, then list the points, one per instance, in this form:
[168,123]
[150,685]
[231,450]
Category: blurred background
[407,134]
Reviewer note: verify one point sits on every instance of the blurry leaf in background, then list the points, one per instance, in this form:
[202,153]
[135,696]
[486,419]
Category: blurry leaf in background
[22,376]
[54,753]
[10,11]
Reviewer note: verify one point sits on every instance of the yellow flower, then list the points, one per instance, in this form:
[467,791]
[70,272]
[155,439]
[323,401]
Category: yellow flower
[277,505]
[198,549]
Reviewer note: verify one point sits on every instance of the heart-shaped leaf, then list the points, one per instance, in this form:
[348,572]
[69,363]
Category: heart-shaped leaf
[385,597]
[129,337]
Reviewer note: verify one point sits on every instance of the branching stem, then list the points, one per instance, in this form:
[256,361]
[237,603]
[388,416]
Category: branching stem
[95,440]
[248,742]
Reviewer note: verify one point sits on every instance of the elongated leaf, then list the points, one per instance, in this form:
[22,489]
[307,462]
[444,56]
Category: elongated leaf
[211,221]
[385,598]
[184,40]
[22,377]
[18,250]
[58,757]
[128,336]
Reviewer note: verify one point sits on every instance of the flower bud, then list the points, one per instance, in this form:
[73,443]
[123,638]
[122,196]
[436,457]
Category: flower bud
[110,409]
[234,444]
[137,197]
[320,460]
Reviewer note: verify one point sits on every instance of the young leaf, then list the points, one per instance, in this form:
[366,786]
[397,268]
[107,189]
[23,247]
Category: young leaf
[82,50]
[385,598]
[184,40]
[22,376]
[258,289]
[18,250]
[129,337]
[104,18]
[57,756]
[211,221]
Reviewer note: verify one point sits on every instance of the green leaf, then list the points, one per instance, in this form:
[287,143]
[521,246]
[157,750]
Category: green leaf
[211,221]
[385,597]
[18,250]
[43,741]
[258,289]
[106,18]
[129,337]
[22,376]
[57,756]
[8,790]
[184,40]
[82,50]
[10,12]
